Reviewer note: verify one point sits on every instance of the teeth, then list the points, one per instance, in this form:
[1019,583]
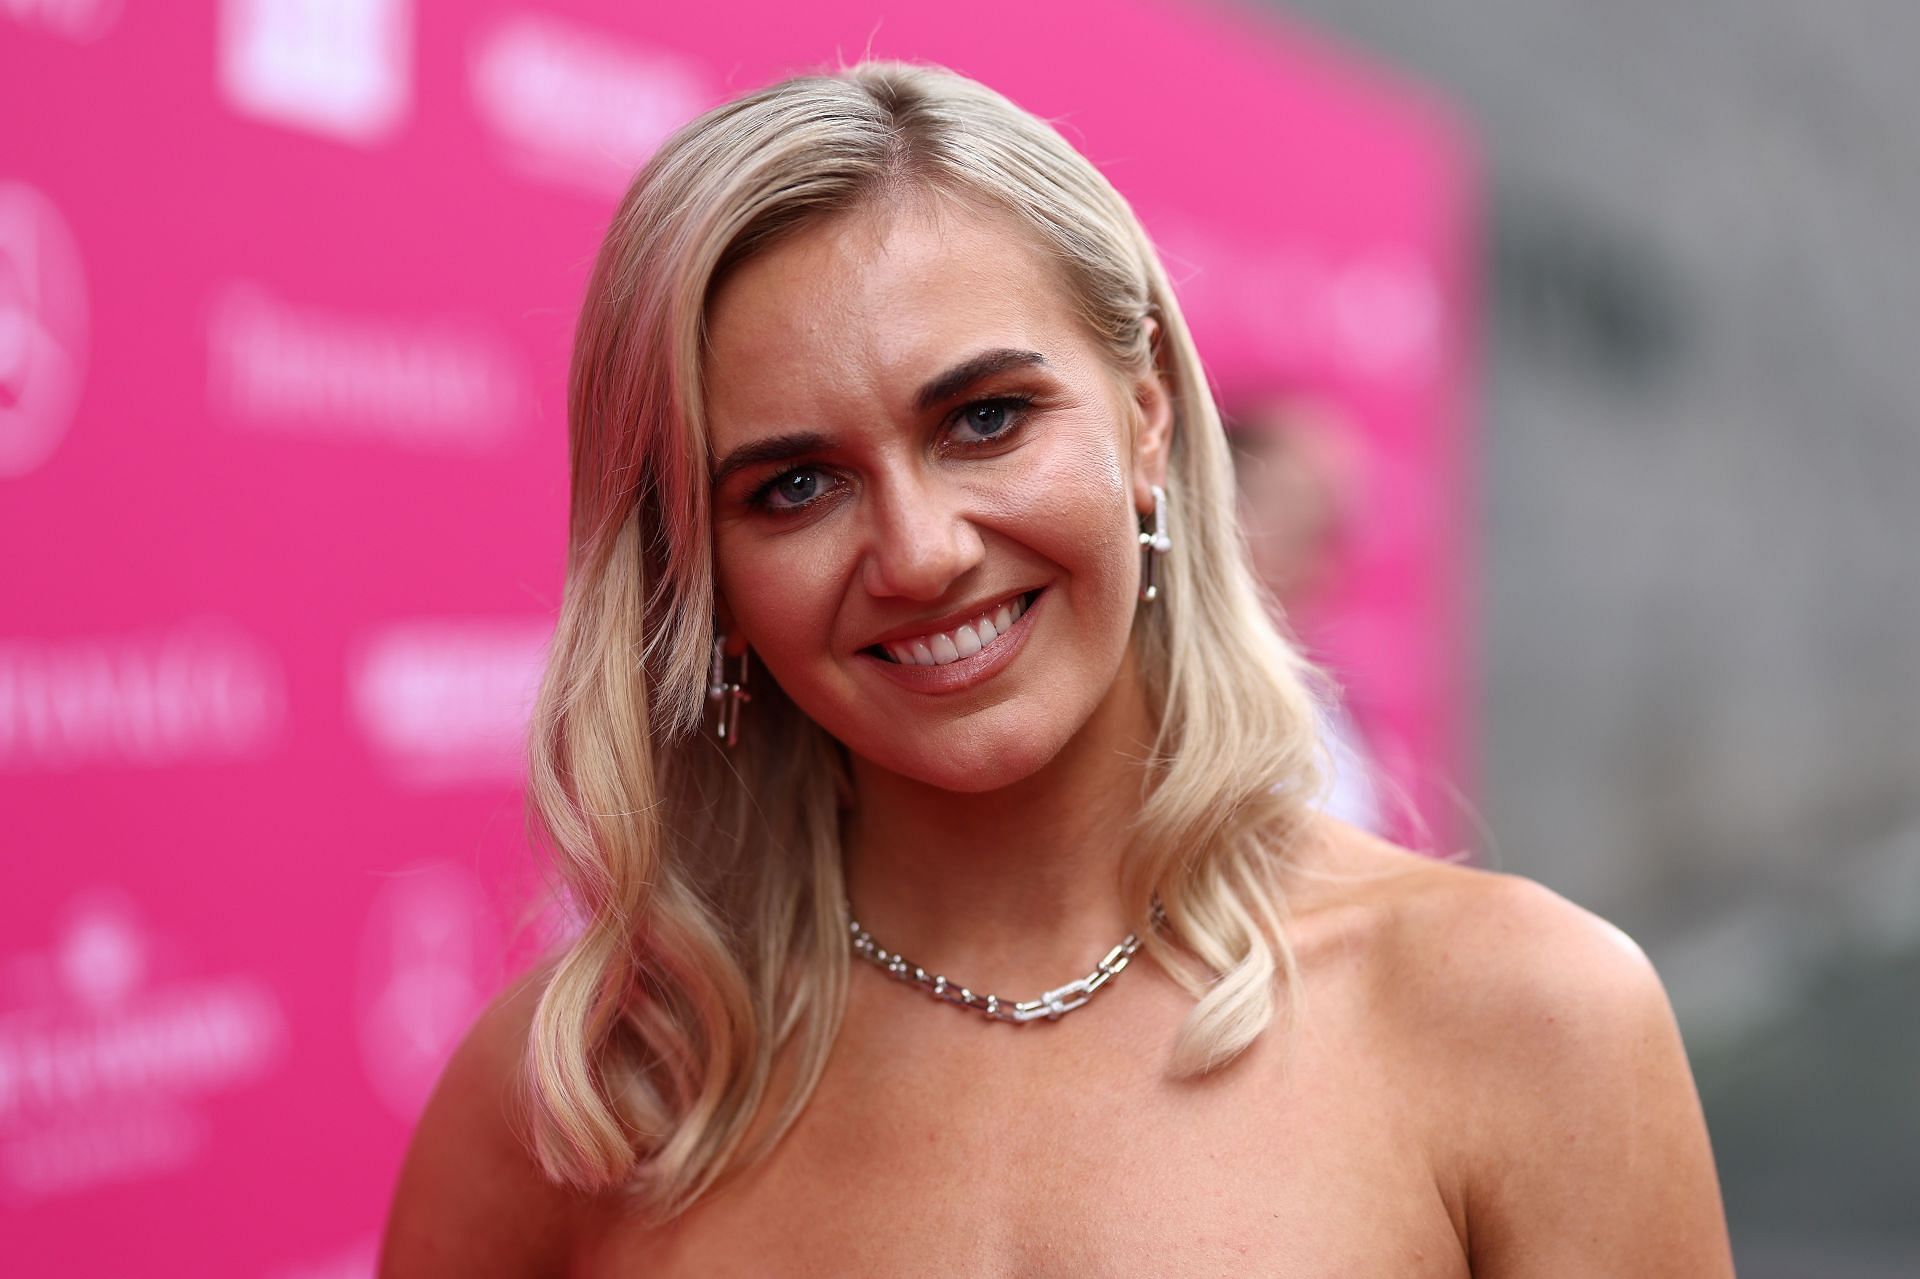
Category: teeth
[962,641]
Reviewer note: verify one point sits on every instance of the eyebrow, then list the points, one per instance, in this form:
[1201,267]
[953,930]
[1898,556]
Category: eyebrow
[963,375]
[954,382]
[774,448]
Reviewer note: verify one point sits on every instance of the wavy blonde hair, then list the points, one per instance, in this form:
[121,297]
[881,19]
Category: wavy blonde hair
[706,885]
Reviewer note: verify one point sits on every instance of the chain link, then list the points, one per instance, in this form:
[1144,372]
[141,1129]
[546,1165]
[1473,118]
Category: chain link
[1051,1005]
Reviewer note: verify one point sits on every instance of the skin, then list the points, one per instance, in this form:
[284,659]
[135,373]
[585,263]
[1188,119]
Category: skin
[915,520]
[1298,468]
[1486,1080]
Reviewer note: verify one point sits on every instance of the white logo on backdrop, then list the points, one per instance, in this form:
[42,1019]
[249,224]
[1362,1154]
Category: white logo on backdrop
[447,701]
[578,106]
[99,1062]
[342,68]
[426,961]
[1376,314]
[200,690]
[1385,309]
[43,328]
[81,21]
[423,382]
[358,1260]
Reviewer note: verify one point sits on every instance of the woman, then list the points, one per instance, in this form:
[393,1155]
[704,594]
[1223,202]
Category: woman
[885,418]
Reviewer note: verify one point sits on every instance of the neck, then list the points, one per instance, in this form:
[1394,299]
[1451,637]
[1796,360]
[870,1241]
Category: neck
[1019,886]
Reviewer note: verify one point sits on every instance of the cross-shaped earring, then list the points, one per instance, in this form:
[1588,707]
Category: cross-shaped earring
[726,695]
[1154,543]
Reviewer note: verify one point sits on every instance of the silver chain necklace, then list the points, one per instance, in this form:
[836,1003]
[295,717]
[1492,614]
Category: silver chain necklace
[1051,1005]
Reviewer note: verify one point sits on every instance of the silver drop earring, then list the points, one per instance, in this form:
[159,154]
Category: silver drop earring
[1153,544]
[726,695]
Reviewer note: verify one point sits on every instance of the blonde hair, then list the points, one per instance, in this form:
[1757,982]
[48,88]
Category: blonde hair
[706,885]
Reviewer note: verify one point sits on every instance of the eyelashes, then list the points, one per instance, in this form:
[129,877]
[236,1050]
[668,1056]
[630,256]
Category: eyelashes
[978,424]
[1010,408]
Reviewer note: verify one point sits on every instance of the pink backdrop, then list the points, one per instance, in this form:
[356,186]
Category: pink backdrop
[286,288]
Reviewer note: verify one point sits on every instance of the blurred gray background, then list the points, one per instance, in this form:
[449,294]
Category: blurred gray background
[1702,615]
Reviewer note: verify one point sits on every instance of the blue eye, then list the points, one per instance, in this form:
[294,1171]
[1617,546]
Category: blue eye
[791,490]
[981,424]
[990,419]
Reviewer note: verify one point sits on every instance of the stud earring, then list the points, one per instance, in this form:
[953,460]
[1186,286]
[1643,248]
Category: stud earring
[726,695]
[1153,544]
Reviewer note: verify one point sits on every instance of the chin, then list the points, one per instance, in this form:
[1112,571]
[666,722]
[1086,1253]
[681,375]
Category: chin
[988,763]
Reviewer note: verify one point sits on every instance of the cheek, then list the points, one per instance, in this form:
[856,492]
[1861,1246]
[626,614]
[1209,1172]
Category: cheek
[1070,505]
[780,595]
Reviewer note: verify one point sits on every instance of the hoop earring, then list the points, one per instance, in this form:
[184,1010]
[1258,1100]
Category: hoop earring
[1153,544]
[726,695]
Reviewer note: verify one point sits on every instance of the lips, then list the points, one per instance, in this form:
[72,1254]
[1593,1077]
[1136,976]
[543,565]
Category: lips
[942,674]
[926,627]
[944,646]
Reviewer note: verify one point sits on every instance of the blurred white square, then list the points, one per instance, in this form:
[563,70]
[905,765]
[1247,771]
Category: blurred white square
[342,68]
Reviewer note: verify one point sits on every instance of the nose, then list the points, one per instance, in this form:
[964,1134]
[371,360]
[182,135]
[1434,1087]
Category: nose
[920,539]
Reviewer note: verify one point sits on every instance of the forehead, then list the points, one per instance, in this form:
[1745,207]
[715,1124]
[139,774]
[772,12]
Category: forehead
[873,302]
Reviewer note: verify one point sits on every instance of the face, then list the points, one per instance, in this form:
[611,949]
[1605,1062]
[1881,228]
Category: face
[1297,473]
[927,481]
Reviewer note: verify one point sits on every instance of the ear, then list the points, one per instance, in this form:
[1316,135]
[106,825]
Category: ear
[1153,440]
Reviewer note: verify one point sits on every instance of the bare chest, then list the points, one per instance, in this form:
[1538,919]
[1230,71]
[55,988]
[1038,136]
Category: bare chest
[958,1157]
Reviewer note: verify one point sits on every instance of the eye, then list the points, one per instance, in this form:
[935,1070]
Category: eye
[985,420]
[791,490]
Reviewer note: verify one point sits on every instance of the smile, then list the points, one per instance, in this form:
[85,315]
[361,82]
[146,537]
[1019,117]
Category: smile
[962,654]
[941,648]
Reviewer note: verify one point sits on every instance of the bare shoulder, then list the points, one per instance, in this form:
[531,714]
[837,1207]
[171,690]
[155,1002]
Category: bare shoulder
[1473,952]
[471,1199]
[1511,961]
[1563,1107]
